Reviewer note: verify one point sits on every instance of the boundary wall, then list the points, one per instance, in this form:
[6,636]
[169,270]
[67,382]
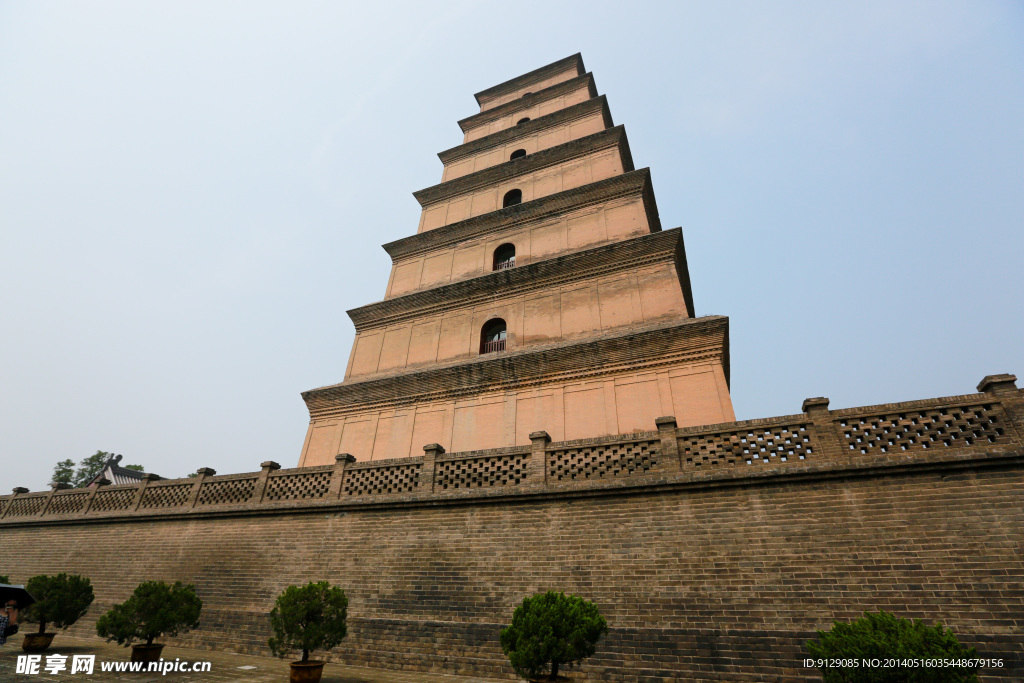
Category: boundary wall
[714,551]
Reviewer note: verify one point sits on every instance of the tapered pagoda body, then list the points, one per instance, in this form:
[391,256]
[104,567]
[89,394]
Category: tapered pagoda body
[539,293]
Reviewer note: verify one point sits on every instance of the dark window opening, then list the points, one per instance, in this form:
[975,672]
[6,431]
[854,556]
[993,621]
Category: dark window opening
[492,338]
[512,197]
[518,154]
[527,93]
[522,120]
[505,257]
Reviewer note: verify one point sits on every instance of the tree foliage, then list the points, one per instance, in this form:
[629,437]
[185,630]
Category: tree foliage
[61,600]
[884,636]
[308,618]
[64,472]
[155,609]
[551,628]
[5,579]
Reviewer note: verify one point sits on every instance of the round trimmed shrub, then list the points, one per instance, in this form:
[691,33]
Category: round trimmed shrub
[550,630]
[308,618]
[884,636]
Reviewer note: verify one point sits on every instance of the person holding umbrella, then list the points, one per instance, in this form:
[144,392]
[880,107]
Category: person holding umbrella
[12,597]
[8,620]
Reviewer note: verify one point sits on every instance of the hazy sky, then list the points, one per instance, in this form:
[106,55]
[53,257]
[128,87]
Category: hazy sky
[192,194]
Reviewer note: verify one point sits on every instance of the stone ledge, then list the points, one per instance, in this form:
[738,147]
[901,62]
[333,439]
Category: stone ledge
[611,137]
[476,120]
[532,77]
[502,137]
[513,217]
[627,254]
[662,342]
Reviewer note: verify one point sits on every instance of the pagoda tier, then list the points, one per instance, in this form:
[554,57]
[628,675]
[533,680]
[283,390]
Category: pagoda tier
[539,293]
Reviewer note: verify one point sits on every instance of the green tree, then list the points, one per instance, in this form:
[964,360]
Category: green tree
[64,472]
[308,618]
[551,628]
[5,579]
[884,636]
[89,467]
[155,609]
[137,468]
[61,600]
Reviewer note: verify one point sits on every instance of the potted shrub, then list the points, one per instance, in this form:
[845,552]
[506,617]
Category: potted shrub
[551,629]
[61,600]
[155,609]
[308,618]
[884,636]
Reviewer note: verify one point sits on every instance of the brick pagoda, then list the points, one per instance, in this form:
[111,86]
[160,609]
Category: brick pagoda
[539,293]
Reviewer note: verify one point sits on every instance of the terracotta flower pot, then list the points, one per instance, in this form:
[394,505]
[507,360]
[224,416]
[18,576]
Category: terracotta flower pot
[310,672]
[37,642]
[147,653]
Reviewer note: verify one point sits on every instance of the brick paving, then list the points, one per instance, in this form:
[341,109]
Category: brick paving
[224,666]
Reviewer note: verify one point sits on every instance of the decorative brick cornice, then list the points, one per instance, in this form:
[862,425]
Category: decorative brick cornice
[503,137]
[619,256]
[557,90]
[640,346]
[534,76]
[612,137]
[512,218]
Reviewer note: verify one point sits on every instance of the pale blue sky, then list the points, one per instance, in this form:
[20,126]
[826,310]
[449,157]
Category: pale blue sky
[192,194]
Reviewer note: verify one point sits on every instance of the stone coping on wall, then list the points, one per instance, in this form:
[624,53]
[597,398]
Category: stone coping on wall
[623,255]
[503,137]
[942,434]
[634,183]
[609,138]
[531,77]
[649,345]
[557,90]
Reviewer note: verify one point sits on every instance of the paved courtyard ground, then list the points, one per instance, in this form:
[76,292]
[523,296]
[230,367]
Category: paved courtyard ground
[224,666]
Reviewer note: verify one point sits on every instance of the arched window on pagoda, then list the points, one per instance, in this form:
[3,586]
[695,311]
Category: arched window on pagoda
[492,337]
[504,257]
[518,154]
[512,197]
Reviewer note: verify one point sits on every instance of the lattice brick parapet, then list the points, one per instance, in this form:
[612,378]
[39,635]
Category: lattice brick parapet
[67,503]
[602,461]
[306,486]
[113,500]
[226,491]
[22,507]
[947,427]
[171,495]
[974,427]
[372,481]
[747,446]
[486,472]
